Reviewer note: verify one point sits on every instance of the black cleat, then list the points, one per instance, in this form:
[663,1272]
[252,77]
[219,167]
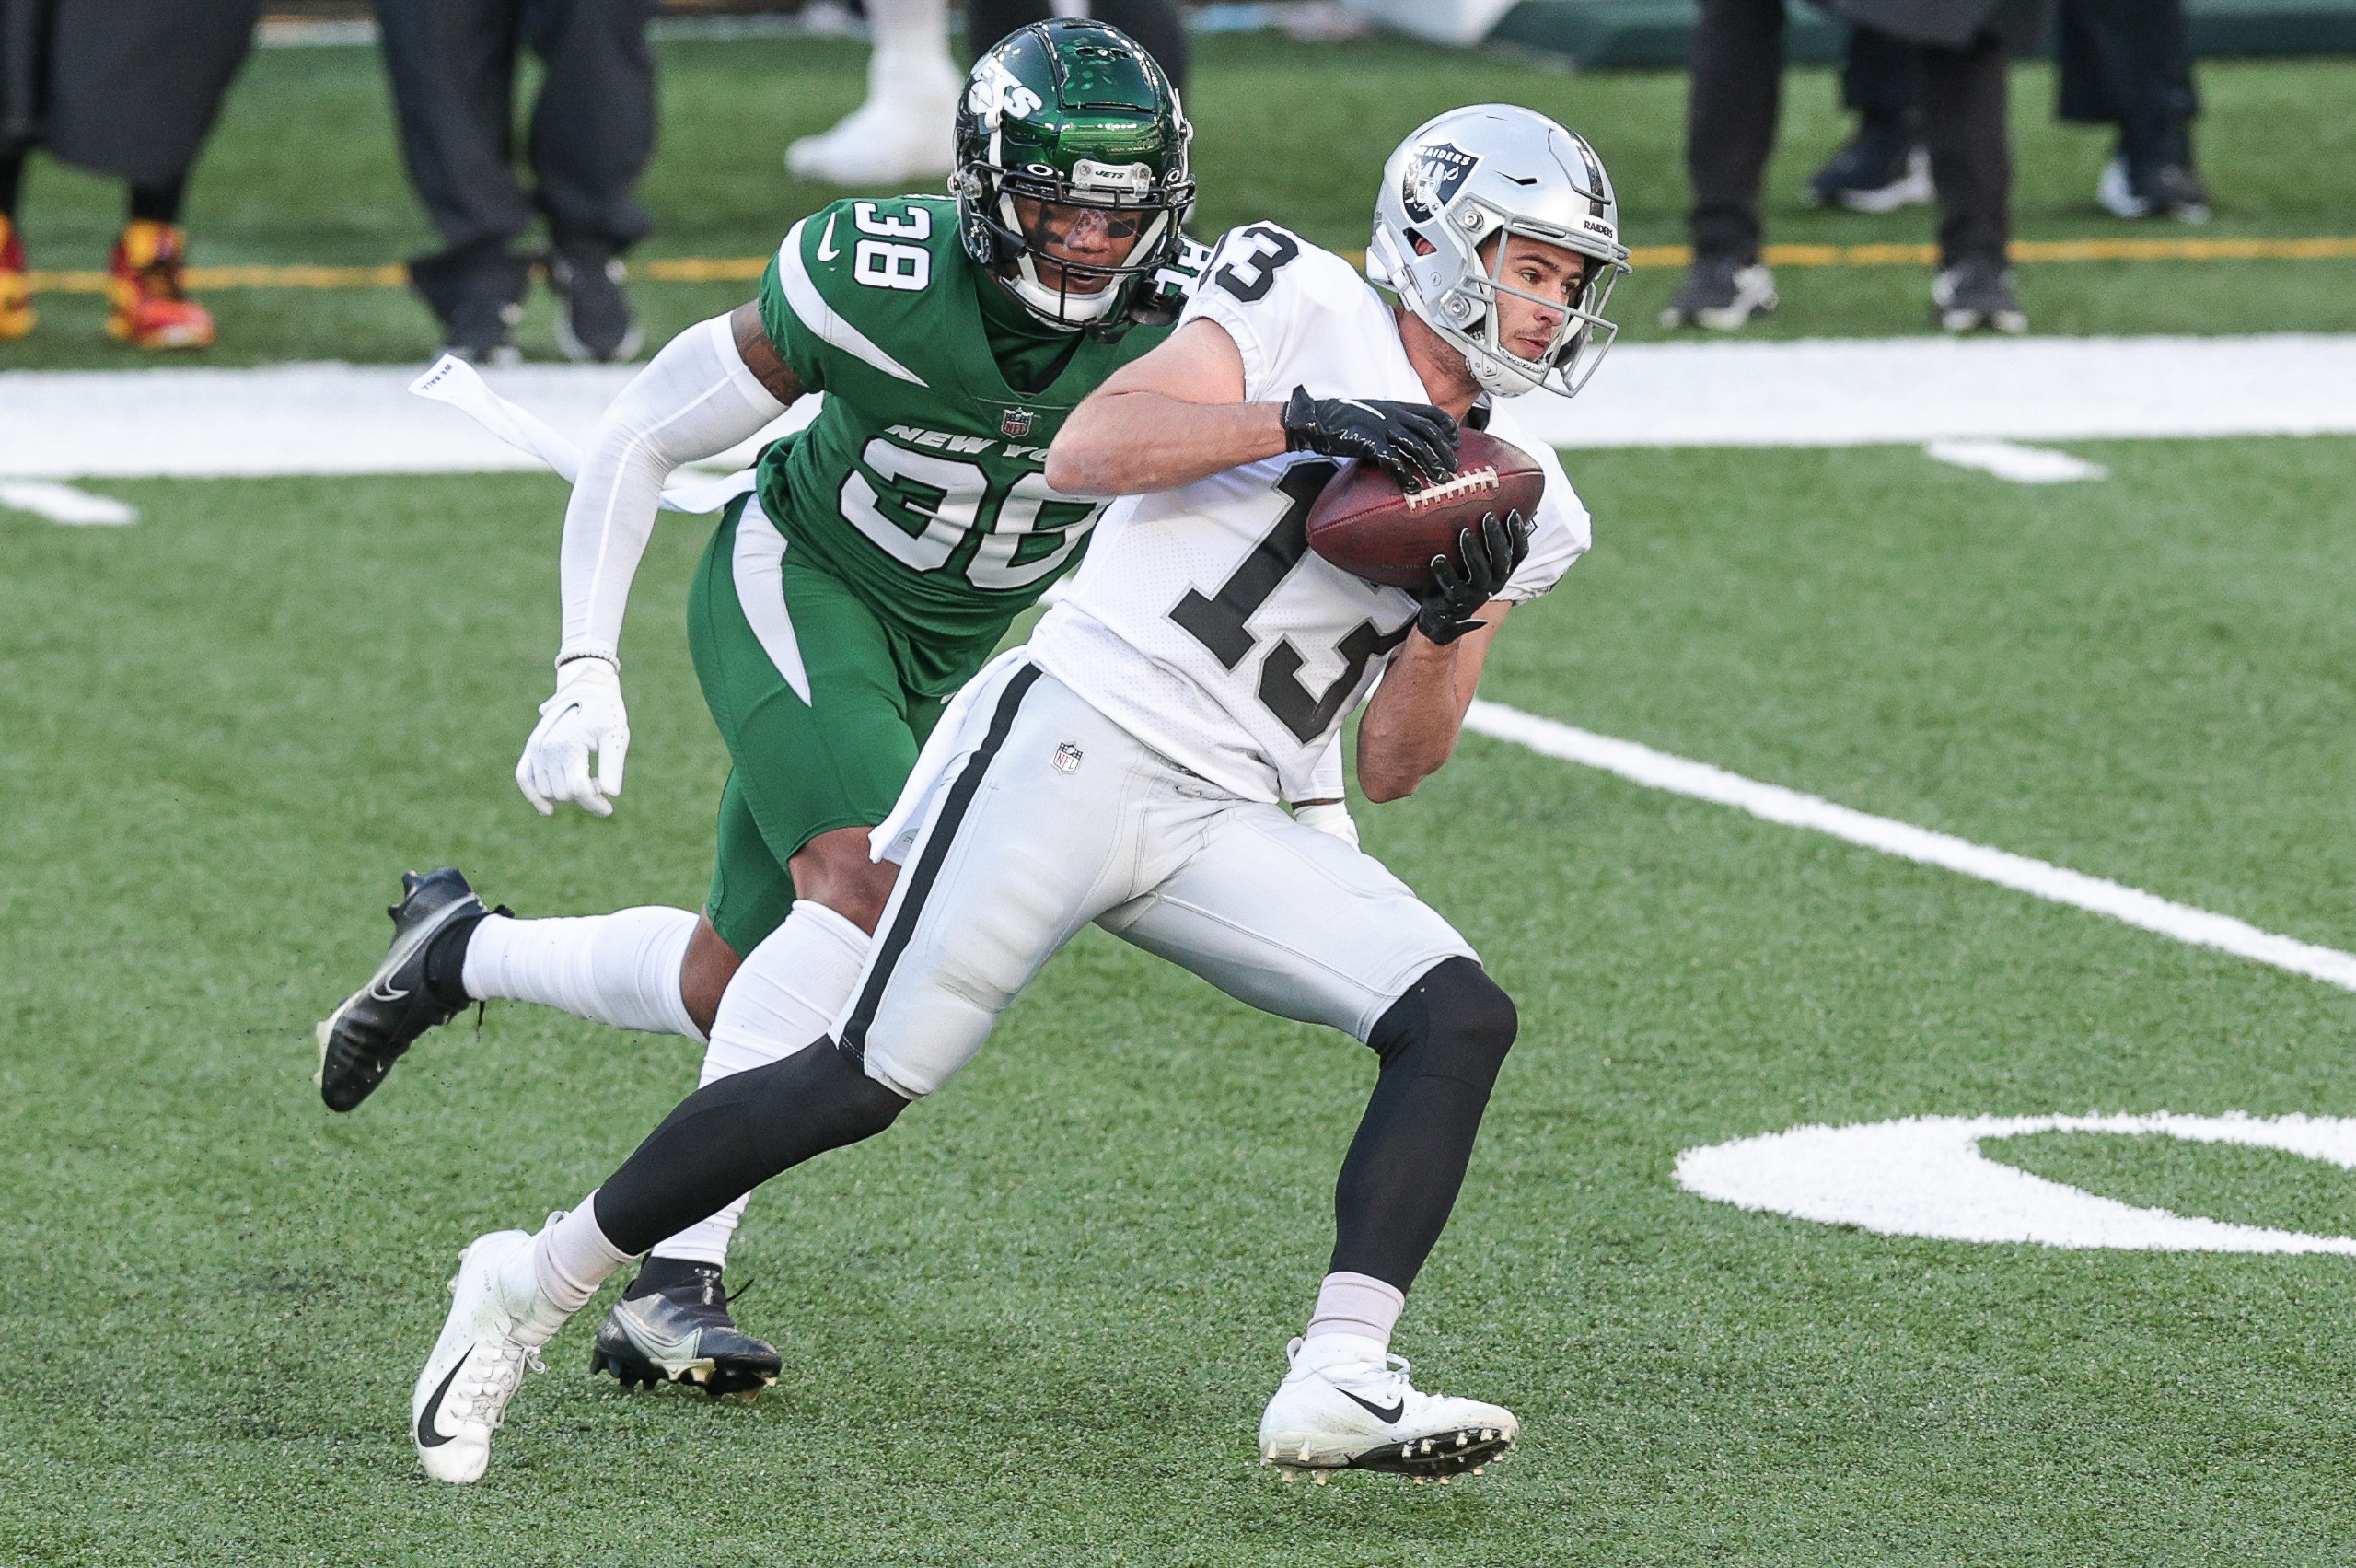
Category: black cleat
[361,1040]
[684,1334]
[593,317]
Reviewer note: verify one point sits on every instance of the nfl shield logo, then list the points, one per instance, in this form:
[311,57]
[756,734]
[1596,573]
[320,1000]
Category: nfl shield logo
[1067,758]
[1016,421]
[1435,172]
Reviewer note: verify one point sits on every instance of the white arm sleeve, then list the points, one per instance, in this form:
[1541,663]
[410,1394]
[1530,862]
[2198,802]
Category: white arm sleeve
[695,399]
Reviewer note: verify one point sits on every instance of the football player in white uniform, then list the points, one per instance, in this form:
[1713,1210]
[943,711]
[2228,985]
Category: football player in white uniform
[1126,766]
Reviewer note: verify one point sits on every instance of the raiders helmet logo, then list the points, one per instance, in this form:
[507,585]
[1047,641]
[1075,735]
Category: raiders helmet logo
[1015,421]
[1434,174]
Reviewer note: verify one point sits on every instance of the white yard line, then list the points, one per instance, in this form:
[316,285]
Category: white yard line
[293,419]
[2022,465]
[1659,769]
[1837,392]
[64,504]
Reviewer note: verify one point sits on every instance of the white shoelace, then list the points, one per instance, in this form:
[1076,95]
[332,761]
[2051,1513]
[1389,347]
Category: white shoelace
[483,1396]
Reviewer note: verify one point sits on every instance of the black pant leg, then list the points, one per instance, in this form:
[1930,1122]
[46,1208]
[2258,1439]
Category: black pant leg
[1877,75]
[2129,63]
[593,126]
[1731,110]
[1963,95]
[452,67]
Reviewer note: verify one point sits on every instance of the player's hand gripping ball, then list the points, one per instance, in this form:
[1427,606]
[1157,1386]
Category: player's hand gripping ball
[1367,523]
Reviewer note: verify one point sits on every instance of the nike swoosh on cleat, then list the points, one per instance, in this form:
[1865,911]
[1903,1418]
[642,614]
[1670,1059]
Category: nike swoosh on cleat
[1385,1416]
[379,991]
[827,253]
[428,1435]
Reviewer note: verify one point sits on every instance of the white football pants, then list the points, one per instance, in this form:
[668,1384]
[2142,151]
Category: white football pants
[1052,817]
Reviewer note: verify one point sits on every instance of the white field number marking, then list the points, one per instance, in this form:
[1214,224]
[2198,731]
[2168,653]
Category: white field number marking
[2022,465]
[64,504]
[1659,769]
[1926,1177]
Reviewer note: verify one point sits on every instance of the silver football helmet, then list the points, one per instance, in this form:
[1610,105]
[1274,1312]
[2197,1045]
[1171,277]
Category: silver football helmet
[1473,175]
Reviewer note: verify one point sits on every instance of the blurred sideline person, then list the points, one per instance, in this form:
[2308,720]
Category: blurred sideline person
[2126,63]
[452,66]
[1125,767]
[886,548]
[1960,48]
[901,132]
[128,88]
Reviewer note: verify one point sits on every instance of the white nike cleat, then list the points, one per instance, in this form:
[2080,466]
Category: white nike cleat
[905,131]
[486,1349]
[1364,1415]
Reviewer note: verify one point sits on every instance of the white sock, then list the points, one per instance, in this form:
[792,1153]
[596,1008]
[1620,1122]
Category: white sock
[555,1277]
[621,968]
[1352,1321]
[788,993]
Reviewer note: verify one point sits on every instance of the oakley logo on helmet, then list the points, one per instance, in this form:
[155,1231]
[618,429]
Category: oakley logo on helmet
[1434,177]
[997,93]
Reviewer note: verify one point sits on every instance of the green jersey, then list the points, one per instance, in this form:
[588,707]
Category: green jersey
[919,485]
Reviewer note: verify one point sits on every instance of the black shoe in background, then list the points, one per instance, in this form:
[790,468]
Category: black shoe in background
[1883,168]
[593,317]
[1975,296]
[477,294]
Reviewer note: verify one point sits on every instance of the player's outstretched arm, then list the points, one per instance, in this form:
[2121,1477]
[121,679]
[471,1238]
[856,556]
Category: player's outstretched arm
[716,384]
[1413,719]
[1168,419]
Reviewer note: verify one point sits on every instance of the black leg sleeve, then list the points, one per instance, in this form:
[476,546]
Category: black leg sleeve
[728,1137]
[1963,93]
[1441,1045]
[1730,121]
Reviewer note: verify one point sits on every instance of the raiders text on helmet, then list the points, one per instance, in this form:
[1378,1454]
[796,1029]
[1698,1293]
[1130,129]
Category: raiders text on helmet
[1073,114]
[1479,174]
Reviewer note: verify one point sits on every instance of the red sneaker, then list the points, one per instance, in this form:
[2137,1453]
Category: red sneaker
[17,313]
[151,308]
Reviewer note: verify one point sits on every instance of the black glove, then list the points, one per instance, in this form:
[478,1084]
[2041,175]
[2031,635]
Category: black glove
[1414,442]
[1491,554]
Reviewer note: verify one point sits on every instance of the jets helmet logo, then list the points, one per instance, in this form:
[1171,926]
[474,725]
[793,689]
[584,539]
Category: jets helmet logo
[1015,421]
[997,94]
[1435,172]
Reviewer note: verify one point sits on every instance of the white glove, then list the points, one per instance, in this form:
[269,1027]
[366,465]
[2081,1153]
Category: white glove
[1330,817]
[584,715]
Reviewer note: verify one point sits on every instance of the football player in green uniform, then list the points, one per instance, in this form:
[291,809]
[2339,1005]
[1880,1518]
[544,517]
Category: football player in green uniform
[877,562]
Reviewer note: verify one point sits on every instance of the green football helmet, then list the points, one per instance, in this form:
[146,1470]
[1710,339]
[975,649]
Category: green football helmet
[1069,134]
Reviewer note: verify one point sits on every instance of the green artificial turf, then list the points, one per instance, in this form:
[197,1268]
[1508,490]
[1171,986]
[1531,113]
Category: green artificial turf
[304,168]
[1037,1322]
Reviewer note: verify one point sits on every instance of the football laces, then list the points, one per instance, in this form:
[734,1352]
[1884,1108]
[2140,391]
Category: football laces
[1469,482]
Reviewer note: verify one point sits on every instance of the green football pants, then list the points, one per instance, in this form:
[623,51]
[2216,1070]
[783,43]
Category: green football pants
[820,728]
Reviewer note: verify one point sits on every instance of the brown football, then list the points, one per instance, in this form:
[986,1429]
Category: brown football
[1367,524]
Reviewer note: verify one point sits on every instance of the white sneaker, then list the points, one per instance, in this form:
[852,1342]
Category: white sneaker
[2116,196]
[905,131]
[486,1349]
[1364,1415]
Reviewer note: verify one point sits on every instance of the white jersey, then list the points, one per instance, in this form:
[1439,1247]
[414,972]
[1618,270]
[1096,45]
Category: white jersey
[1201,623]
